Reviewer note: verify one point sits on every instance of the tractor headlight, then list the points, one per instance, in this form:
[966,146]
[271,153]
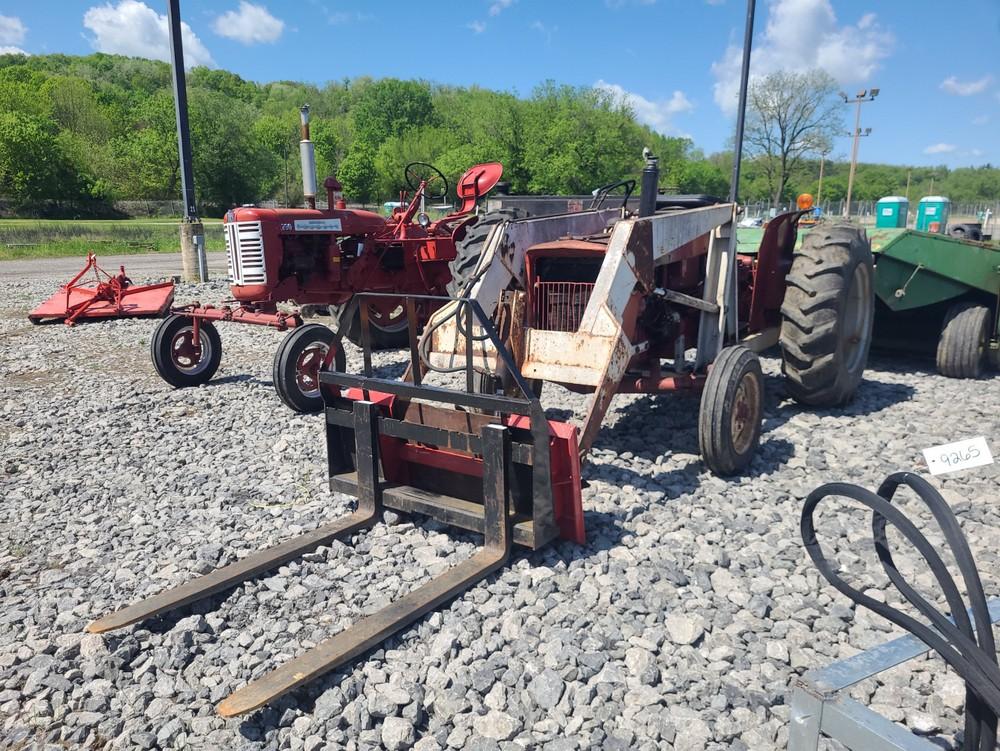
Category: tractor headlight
[423,220]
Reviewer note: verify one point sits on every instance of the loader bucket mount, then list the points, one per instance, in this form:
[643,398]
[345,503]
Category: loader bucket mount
[512,475]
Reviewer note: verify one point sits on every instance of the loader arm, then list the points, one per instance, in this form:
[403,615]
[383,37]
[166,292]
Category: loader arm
[598,353]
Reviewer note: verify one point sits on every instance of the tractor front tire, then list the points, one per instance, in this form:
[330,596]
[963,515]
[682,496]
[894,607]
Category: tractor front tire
[827,314]
[172,350]
[731,411]
[470,248]
[298,362]
[965,335]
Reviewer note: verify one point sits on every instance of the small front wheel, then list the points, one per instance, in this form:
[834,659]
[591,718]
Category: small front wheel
[732,407]
[175,356]
[297,365]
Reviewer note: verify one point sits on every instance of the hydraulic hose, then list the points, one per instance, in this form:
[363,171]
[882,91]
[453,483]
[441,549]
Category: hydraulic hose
[970,652]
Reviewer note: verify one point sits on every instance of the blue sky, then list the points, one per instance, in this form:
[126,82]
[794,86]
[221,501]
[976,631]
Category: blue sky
[674,60]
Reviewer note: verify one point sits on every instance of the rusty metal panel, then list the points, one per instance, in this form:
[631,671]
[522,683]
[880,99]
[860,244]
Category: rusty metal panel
[674,230]
[565,357]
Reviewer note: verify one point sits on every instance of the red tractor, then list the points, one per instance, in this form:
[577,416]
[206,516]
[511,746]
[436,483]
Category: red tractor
[318,260]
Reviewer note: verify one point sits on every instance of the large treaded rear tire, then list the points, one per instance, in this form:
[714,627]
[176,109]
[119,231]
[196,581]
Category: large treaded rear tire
[470,248]
[395,338]
[827,314]
[961,351]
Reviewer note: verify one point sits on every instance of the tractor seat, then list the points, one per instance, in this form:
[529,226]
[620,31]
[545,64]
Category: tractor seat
[691,201]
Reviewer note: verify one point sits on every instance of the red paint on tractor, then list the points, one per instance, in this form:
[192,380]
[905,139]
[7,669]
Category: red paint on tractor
[109,297]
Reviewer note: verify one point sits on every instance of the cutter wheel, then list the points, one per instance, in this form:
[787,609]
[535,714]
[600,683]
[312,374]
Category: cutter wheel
[503,471]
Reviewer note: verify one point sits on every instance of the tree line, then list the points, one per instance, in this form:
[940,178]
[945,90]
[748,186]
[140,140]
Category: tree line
[101,128]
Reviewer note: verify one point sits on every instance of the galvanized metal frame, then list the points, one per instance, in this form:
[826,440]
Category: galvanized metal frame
[818,708]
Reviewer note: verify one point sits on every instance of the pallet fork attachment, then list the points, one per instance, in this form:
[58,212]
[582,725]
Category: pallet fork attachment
[378,442]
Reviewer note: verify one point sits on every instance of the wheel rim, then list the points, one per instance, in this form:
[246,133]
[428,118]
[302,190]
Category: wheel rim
[307,368]
[746,413]
[857,317]
[387,319]
[185,356]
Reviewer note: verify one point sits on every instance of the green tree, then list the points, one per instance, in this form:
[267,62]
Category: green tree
[577,139]
[358,175]
[790,116]
[388,107]
[32,164]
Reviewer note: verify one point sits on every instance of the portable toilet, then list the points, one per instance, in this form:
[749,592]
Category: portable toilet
[933,210]
[891,212]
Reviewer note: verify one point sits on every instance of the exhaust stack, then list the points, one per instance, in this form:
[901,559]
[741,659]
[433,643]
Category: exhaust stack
[649,184]
[307,153]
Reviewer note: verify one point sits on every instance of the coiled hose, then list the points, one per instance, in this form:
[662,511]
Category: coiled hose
[975,661]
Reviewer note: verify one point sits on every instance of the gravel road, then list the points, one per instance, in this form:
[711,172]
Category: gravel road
[680,624]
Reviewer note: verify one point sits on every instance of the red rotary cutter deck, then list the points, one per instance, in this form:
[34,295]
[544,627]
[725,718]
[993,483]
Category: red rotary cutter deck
[107,297]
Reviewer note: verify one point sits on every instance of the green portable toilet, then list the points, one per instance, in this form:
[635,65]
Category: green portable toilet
[891,212]
[933,210]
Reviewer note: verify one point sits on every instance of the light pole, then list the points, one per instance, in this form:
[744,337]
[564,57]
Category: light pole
[819,188]
[863,96]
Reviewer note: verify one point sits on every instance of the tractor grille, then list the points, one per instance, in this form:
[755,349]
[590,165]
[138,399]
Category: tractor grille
[559,306]
[245,251]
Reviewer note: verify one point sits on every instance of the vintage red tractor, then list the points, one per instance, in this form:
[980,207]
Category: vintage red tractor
[318,259]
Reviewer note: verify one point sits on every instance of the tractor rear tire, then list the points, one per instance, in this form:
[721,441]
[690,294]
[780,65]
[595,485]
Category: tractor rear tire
[297,364]
[381,338]
[470,248]
[965,335]
[731,411]
[173,359]
[827,314]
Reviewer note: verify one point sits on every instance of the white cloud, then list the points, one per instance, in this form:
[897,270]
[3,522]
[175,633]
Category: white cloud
[952,85]
[940,148]
[499,6]
[980,120]
[8,50]
[250,24]
[12,30]
[478,27]
[803,35]
[133,28]
[657,115]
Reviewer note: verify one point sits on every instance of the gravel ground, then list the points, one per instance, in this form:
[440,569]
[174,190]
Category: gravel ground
[679,625]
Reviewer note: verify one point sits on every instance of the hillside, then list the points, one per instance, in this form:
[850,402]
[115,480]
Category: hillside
[101,128]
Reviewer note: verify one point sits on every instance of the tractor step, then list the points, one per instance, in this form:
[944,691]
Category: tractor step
[446,509]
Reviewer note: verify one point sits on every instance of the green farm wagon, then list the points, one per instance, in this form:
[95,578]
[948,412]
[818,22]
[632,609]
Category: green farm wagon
[938,294]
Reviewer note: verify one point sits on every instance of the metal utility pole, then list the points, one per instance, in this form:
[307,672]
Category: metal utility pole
[192,232]
[909,176]
[741,116]
[822,164]
[734,185]
[863,96]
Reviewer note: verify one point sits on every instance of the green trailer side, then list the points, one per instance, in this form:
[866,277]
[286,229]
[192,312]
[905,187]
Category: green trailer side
[916,271]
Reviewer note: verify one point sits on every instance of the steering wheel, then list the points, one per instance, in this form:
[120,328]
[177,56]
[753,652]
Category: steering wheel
[418,172]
